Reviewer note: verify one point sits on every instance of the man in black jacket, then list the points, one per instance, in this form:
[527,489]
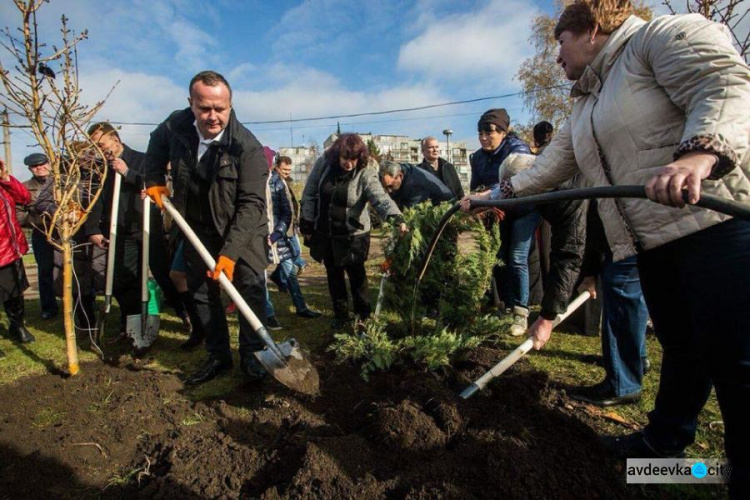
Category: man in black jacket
[440,168]
[219,176]
[130,164]
[409,185]
[127,163]
[29,217]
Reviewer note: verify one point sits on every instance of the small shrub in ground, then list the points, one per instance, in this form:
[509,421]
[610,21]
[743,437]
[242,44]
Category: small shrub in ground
[376,350]
[435,350]
[372,347]
[453,287]
[458,273]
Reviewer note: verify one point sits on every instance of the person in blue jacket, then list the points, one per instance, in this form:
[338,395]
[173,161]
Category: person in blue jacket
[518,228]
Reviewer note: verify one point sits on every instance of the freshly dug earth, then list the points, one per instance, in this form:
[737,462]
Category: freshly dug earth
[127,431]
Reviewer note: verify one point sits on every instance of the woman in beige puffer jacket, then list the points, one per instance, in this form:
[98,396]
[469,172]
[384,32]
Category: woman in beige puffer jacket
[665,104]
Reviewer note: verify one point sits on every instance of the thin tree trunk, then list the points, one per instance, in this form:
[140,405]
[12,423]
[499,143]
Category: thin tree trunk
[70,333]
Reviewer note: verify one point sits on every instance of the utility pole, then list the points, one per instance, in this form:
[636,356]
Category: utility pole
[291,129]
[6,142]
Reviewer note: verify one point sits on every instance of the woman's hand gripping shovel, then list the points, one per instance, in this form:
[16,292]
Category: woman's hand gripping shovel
[519,351]
[144,328]
[285,361]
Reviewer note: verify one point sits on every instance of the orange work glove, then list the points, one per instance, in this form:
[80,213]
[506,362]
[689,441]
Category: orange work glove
[226,265]
[155,193]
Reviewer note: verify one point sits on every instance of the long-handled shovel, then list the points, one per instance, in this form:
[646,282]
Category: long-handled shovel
[285,361]
[143,328]
[519,351]
[101,320]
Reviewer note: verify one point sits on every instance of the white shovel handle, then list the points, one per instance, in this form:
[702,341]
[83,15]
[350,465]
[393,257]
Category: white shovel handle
[114,213]
[211,263]
[381,292]
[146,233]
[519,351]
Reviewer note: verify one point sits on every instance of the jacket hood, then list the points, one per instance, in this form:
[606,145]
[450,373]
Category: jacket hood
[595,73]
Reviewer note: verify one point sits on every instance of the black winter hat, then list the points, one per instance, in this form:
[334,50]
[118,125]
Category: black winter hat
[499,117]
[35,159]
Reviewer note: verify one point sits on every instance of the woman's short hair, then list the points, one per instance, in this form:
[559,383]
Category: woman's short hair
[350,147]
[541,130]
[584,15]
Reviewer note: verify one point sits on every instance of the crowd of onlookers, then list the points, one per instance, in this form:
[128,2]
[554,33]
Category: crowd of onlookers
[664,104]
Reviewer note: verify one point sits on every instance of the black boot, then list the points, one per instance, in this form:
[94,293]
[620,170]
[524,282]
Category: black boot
[197,335]
[17,329]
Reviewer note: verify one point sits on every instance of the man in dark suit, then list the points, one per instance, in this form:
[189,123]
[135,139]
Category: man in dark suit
[219,177]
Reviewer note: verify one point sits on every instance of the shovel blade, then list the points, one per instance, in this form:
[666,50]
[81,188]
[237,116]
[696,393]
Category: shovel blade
[142,336]
[293,369]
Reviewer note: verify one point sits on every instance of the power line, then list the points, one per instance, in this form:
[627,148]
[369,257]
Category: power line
[374,113]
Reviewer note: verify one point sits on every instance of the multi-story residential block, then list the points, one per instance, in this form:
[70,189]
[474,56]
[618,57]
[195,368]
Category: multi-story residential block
[303,159]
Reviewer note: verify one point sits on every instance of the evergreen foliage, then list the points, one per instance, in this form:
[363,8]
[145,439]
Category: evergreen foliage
[458,273]
[453,287]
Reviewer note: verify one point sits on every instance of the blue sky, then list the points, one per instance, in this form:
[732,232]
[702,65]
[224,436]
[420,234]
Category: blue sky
[299,59]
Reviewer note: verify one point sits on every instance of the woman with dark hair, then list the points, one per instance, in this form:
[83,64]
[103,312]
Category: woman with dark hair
[542,135]
[666,103]
[335,220]
[517,229]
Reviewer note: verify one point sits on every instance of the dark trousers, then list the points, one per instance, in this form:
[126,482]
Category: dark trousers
[160,264]
[206,295]
[697,289]
[126,287]
[337,287]
[44,253]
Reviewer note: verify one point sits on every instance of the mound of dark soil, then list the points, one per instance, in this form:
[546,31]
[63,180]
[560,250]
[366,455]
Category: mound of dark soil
[120,433]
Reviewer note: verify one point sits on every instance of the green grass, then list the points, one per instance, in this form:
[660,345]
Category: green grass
[48,417]
[28,260]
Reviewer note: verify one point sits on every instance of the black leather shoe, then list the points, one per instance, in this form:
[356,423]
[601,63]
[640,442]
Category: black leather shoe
[636,445]
[48,314]
[20,333]
[309,314]
[252,369]
[272,323]
[209,371]
[602,395]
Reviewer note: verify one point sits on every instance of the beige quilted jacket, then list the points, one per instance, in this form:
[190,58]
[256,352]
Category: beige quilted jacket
[657,90]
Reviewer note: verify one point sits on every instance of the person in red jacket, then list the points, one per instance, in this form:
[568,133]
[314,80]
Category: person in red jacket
[13,246]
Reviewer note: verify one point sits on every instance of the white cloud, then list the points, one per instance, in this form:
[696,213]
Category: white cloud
[309,92]
[476,47]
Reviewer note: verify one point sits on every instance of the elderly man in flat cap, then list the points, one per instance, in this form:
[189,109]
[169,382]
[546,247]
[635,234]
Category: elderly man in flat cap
[30,217]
